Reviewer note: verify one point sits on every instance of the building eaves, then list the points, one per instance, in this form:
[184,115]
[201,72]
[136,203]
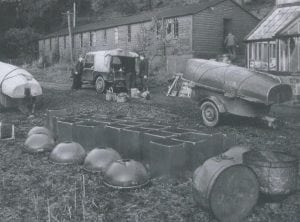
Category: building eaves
[142,17]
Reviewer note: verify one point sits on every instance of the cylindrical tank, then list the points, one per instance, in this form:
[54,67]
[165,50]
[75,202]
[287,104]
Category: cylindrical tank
[277,172]
[226,187]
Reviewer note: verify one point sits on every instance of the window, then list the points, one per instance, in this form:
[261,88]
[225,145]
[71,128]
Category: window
[129,33]
[89,61]
[169,27]
[92,38]
[81,40]
[116,36]
[105,36]
[65,42]
[50,43]
[176,28]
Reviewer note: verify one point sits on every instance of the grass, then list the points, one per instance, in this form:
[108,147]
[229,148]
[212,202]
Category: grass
[58,73]
[32,189]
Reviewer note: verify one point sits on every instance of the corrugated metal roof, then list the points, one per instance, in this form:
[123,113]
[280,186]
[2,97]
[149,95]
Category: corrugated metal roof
[143,17]
[274,23]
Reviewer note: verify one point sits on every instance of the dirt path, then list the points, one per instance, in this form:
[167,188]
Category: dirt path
[56,86]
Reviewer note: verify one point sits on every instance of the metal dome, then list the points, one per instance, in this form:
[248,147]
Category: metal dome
[68,153]
[126,174]
[98,160]
[39,143]
[40,130]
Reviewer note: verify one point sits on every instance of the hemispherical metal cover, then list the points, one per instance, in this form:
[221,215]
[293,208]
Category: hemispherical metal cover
[68,153]
[39,143]
[40,130]
[126,174]
[98,160]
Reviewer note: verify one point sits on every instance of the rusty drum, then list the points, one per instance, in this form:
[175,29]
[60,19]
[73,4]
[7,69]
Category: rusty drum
[225,187]
[277,172]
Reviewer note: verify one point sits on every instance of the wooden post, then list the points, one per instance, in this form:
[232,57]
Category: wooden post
[74,14]
[268,55]
[278,54]
[70,36]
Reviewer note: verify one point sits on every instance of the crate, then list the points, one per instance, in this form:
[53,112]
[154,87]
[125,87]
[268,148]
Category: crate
[7,131]
[167,157]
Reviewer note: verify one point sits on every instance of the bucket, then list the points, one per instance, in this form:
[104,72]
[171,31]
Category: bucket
[135,93]
[225,187]
[277,172]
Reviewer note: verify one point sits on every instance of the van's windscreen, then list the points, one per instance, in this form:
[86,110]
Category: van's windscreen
[89,61]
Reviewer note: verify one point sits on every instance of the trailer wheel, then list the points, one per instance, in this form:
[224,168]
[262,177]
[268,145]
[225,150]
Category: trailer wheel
[100,84]
[210,114]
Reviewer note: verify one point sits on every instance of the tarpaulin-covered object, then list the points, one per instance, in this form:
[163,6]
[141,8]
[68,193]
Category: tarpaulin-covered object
[14,81]
[233,81]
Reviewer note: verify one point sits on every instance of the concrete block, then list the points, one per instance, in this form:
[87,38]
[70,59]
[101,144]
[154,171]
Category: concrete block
[132,142]
[65,129]
[177,131]
[51,119]
[201,146]
[86,133]
[167,157]
[112,135]
[152,136]
[155,127]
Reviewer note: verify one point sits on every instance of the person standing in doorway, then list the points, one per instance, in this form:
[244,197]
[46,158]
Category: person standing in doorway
[77,74]
[231,44]
[143,73]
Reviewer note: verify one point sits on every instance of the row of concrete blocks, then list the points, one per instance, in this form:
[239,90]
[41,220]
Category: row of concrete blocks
[165,149]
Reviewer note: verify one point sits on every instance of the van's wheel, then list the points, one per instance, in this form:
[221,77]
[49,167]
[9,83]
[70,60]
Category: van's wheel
[210,114]
[100,84]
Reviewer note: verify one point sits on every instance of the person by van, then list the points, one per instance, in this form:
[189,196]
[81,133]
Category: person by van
[231,44]
[77,74]
[143,73]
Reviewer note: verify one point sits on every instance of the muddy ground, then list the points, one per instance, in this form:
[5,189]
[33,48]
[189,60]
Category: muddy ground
[33,189]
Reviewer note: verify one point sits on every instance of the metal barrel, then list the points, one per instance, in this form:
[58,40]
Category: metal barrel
[226,187]
[277,172]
